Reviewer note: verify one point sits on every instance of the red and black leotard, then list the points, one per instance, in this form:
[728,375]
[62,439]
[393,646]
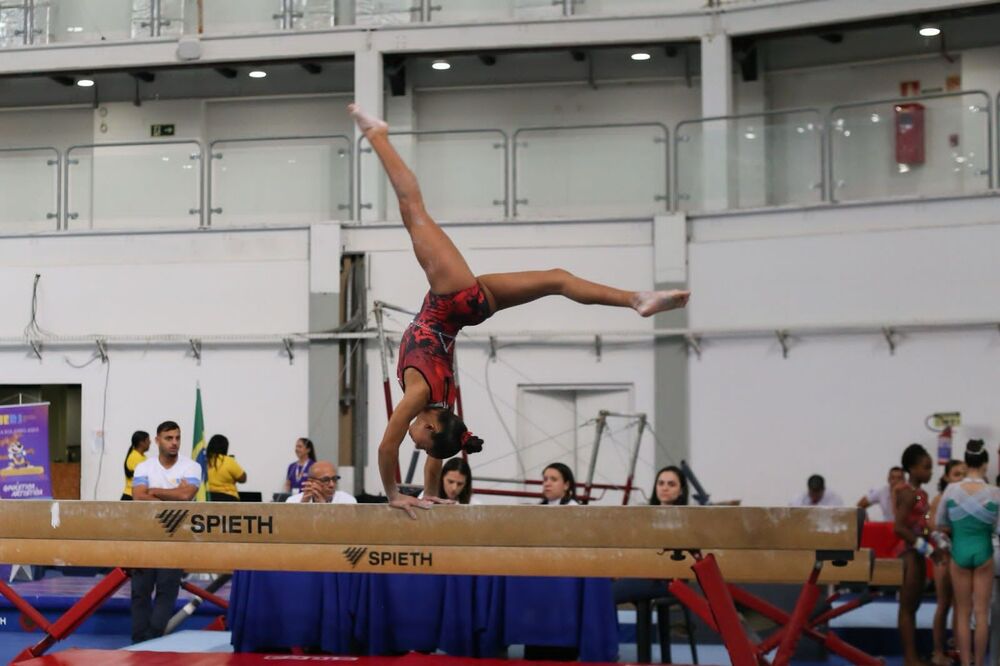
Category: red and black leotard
[428,344]
[918,520]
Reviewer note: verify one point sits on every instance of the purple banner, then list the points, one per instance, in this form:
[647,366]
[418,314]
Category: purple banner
[24,452]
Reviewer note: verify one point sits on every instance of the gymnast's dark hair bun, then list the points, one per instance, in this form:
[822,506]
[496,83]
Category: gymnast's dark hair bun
[452,437]
[976,454]
[472,444]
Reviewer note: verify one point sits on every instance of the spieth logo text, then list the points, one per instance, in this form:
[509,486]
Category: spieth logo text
[416,559]
[208,523]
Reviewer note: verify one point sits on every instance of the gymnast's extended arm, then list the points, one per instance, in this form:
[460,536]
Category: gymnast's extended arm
[413,402]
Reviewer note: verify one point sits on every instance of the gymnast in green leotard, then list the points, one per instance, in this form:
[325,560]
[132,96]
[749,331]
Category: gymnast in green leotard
[969,510]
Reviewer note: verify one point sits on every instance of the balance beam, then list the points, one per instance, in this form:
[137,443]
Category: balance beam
[737,566]
[680,528]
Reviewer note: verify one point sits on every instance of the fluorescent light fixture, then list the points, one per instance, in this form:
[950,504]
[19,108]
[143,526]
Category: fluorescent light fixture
[85,83]
[441,65]
[641,55]
[929,30]
[258,74]
[74,28]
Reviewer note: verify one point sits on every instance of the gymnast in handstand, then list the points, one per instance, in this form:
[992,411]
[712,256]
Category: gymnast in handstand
[458,298]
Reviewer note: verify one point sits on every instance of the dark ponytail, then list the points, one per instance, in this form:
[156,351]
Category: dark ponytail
[138,437]
[976,454]
[453,437]
[310,449]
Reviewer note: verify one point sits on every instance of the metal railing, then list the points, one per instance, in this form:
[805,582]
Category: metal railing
[70,161]
[837,124]
[665,196]
[732,134]
[55,161]
[976,132]
[214,154]
[503,145]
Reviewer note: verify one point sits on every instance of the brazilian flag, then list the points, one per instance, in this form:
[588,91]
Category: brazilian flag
[198,453]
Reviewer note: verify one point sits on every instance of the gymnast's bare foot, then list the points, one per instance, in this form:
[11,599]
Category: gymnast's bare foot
[648,303]
[368,123]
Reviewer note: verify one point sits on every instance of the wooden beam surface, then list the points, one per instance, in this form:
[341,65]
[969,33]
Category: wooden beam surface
[737,566]
[730,528]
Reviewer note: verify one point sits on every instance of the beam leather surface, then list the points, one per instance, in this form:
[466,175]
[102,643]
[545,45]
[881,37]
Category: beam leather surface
[743,528]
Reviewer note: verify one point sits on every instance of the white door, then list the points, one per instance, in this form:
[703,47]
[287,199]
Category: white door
[557,423]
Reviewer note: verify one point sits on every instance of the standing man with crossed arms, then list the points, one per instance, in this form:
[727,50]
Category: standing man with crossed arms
[169,477]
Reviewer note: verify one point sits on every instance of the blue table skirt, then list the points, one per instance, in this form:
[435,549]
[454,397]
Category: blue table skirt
[471,616]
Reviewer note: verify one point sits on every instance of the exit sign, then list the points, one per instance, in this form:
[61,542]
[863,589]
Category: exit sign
[161,130]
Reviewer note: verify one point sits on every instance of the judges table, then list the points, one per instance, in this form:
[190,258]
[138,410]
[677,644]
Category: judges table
[473,616]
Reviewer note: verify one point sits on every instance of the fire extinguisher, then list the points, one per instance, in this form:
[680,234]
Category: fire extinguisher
[910,134]
[944,446]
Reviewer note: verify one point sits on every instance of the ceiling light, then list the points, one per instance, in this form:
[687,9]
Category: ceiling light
[257,74]
[74,28]
[641,55]
[85,83]
[441,65]
[929,31]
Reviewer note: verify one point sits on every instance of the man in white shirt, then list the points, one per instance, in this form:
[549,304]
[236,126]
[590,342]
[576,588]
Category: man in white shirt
[885,496]
[169,477]
[817,494]
[320,487]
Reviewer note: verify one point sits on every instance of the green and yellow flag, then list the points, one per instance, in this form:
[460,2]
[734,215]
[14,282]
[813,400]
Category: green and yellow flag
[198,453]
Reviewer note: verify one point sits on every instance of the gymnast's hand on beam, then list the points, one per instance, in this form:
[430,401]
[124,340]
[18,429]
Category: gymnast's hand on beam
[406,503]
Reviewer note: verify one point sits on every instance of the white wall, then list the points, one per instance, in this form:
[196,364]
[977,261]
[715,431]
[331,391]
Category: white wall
[187,284]
[839,406]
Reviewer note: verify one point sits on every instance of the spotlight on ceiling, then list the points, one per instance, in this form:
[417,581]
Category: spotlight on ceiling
[441,65]
[85,83]
[640,55]
[257,74]
[928,30]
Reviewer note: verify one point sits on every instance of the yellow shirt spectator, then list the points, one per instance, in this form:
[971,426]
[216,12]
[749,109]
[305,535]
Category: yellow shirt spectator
[223,476]
[133,459]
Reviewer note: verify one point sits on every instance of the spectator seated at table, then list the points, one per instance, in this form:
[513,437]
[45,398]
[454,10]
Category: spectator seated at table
[320,486]
[884,496]
[669,489]
[558,485]
[456,482]
[817,495]
[223,471]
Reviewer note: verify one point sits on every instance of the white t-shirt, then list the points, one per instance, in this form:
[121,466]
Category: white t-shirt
[883,497]
[339,497]
[829,499]
[152,474]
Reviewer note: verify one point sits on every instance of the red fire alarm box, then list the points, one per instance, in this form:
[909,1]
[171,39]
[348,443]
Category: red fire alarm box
[910,133]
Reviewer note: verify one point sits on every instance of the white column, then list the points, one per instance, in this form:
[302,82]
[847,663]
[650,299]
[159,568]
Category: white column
[369,93]
[716,100]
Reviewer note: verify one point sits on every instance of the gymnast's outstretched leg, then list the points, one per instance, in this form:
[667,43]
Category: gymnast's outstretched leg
[447,270]
[508,290]
[443,264]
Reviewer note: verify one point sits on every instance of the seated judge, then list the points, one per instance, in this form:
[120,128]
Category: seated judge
[320,487]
